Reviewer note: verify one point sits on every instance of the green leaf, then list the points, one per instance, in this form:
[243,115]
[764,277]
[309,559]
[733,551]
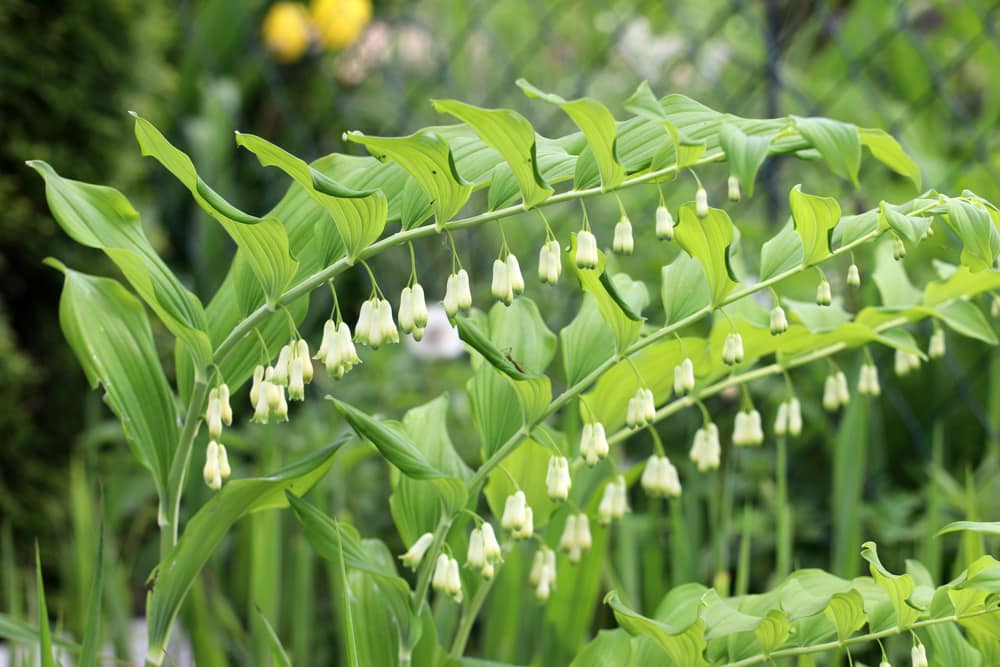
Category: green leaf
[684,289]
[745,154]
[847,611]
[837,142]
[910,227]
[278,653]
[416,505]
[597,124]
[815,218]
[391,443]
[684,646]
[203,533]
[681,150]
[890,277]
[526,465]
[586,342]
[44,634]
[781,253]
[898,587]
[968,319]
[609,647]
[978,234]
[263,241]
[624,322]
[92,630]
[502,361]
[981,527]
[773,631]
[359,216]
[887,150]
[709,242]
[853,227]
[427,157]
[110,335]
[510,134]
[101,217]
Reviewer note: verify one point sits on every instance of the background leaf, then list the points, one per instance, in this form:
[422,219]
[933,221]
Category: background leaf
[815,218]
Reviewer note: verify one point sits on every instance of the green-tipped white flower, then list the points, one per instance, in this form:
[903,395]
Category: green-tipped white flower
[660,478]
[936,348]
[258,378]
[270,401]
[781,419]
[918,656]
[586,250]
[279,374]
[853,276]
[501,287]
[836,391]
[623,243]
[868,382]
[296,382]
[543,573]
[641,409]
[517,517]
[415,554]
[779,321]
[474,557]
[684,377]
[824,296]
[905,362]
[213,414]
[514,274]
[447,579]
[301,351]
[457,295]
[212,473]
[706,451]
[412,313]
[550,262]
[898,249]
[734,188]
[747,430]
[388,327]
[701,202]
[557,479]
[224,470]
[404,316]
[664,224]
[843,389]
[576,537]
[593,443]
[794,417]
[614,501]
[366,317]
[491,548]
[527,529]
[732,349]
[337,351]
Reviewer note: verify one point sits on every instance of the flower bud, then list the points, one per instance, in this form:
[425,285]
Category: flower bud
[514,275]
[898,249]
[418,304]
[557,479]
[412,558]
[224,470]
[213,415]
[918,656]
[586,250]
[831,401]
[853,276]
[936,348]
[405,313]
[781,419]
[226,410]
[779,321]
[211,472]
[623,242]
[501,287]
[706,450]
[824,297]
[843,390]
[794,417]
[664,224]
[701,202]
[734,188]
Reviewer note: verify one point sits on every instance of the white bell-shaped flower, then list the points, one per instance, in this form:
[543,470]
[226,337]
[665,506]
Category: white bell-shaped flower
[664,224]
[853,276]
[706,451]
[514,275]
[586,250]
[501,287]
[733,185]
[557,478]
[475,557]
[701,202]
[491,548]
[415,554]
[824,296]
[936,348]
[593,443]
[211,473]
[779,321]
[623,243]
[684,377]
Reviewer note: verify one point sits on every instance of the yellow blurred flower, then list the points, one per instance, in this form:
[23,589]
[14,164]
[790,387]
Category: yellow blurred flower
[339,23]
[286,30]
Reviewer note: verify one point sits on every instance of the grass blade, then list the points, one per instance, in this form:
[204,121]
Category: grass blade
[92,629]
[44,633]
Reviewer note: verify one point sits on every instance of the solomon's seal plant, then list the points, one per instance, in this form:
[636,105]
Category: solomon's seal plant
[544,436]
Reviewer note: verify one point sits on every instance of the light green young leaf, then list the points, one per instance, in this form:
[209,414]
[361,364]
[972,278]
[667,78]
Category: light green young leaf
[815,218]
[837,142]
[979,236]
[391,443]
[427,157]
[264,241]
[910,227]
[899,587]
[110,335]
[597,124]
[510,134]
[237,498]
[981,527]
[101,217]
[709,242]
[773,631]
[962,283]
[847,611]
[359,215]
[44,633]
[684,289]
[887,150]
[684,646]
[781,253]
[745,154]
